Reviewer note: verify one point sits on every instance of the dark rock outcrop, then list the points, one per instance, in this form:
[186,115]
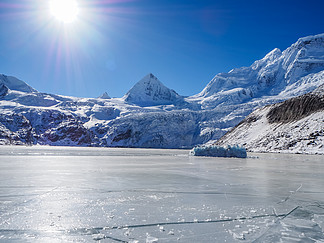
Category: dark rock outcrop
[3,90]
[16,129]
[296,108]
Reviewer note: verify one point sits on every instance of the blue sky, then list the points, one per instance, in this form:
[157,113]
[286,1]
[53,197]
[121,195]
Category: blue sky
[114,43]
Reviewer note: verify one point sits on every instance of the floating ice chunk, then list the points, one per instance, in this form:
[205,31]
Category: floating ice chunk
[218,151]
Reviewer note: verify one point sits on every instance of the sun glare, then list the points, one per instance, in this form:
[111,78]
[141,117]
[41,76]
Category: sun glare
[65,11]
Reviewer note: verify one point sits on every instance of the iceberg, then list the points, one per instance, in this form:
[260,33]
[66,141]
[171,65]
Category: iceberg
[219,151]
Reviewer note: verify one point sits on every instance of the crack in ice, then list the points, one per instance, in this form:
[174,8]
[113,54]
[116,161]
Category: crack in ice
[282,216]
[183,192]
[291,194]
[35,196]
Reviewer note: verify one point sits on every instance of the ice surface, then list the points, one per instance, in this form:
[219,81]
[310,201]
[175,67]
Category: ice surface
[52,194]
[219,151]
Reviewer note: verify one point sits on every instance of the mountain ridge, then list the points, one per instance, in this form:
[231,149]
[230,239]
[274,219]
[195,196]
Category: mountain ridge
[15,84]
[268,76]
[152,115]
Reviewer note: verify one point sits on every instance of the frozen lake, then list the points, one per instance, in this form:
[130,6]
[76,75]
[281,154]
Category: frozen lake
[52,194]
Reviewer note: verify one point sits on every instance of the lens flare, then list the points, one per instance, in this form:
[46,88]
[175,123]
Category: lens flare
[65,11]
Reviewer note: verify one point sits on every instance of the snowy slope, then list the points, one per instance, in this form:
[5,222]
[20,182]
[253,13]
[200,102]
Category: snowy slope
[15,84]
[293,126]
[150,91]
[152,115]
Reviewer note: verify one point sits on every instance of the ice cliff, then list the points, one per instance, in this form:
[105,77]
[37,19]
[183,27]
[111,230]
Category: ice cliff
[231,151]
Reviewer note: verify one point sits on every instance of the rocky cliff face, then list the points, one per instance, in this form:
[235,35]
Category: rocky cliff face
[293,126]
[3,90]
[297,108]
[15,129]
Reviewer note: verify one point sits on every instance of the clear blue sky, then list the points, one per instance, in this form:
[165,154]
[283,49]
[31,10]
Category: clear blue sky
[114,43]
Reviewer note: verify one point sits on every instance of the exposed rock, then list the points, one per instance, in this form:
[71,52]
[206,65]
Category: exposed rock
[16,129]
[69,133]
[296,108]
[3,90]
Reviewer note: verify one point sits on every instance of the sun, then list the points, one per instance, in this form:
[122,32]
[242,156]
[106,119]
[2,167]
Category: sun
[65,11]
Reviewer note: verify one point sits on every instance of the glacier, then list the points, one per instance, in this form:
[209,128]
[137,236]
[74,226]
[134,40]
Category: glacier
[150,115]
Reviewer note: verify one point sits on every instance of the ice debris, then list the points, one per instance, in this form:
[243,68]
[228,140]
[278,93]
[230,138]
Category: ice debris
[219,151]
[151,239]
[98,237]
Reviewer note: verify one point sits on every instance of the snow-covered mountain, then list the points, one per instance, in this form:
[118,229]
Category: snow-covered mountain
[104,96]
[283,74]
[293,126]
[15,84]
[150,91]
[152,115]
